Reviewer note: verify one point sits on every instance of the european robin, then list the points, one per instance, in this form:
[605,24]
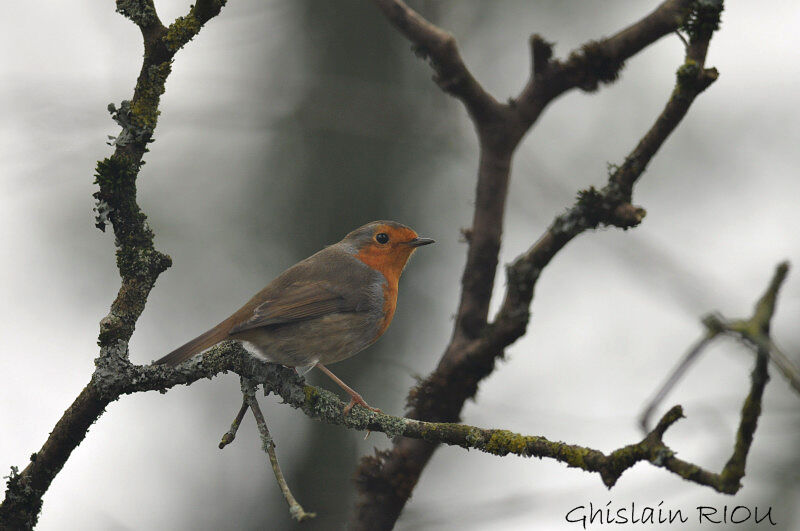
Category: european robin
[324,309]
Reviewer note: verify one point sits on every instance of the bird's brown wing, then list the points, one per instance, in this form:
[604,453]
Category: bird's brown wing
[296,302]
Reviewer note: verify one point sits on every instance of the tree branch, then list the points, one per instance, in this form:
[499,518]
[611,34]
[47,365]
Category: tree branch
[323,405]
[596,61]
[387,480]
[138,261]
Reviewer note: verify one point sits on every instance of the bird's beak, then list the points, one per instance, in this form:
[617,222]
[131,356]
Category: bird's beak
[419,242]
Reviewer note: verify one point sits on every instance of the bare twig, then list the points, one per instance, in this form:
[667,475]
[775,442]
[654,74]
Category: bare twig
[230,435]
[674,377]
[785,365]
[728,481]
[596,61]
[268,445]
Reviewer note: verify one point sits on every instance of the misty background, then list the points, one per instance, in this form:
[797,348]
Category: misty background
[285,125]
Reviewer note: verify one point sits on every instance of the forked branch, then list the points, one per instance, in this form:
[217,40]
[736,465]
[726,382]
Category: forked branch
[477,343]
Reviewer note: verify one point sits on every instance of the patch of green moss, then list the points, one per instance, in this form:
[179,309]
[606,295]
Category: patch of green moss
[149,88]
[181,31]
[312,395]
[115,173]
[575,456]
[503,442]
[116,177]
[143,263]
[428,432]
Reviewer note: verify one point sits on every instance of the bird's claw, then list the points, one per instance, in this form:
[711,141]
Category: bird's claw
[356,399]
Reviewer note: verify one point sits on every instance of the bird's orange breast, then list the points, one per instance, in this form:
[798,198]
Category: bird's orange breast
[388,258]
[390,265]
[389,305]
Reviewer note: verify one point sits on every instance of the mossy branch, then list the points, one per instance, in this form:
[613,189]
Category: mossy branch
[323,405]
[138,261]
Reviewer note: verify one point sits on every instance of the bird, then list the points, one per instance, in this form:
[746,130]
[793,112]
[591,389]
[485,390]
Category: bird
[323,309]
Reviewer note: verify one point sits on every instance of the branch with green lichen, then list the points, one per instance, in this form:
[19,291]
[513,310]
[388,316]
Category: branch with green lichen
[120,377]
[754,332]
[138,262]
[323,405]
[116,376]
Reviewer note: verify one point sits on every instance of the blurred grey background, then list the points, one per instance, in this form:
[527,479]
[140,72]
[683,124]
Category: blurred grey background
[286,124]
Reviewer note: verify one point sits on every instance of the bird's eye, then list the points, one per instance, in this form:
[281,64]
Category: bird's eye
[382,238]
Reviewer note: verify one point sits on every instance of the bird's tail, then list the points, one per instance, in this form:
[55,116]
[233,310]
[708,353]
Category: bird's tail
[196,345]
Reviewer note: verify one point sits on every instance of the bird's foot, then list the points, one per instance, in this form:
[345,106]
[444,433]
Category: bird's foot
[355,398]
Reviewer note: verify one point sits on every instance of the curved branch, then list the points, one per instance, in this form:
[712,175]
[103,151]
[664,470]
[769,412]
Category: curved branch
[609,206]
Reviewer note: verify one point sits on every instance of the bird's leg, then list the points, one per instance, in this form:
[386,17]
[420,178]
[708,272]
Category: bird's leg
[355,398]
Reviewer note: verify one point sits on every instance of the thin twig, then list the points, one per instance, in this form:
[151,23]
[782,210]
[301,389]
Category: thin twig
[785,365]
[672,379]
[268,445]
[230,435]
[754,331]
